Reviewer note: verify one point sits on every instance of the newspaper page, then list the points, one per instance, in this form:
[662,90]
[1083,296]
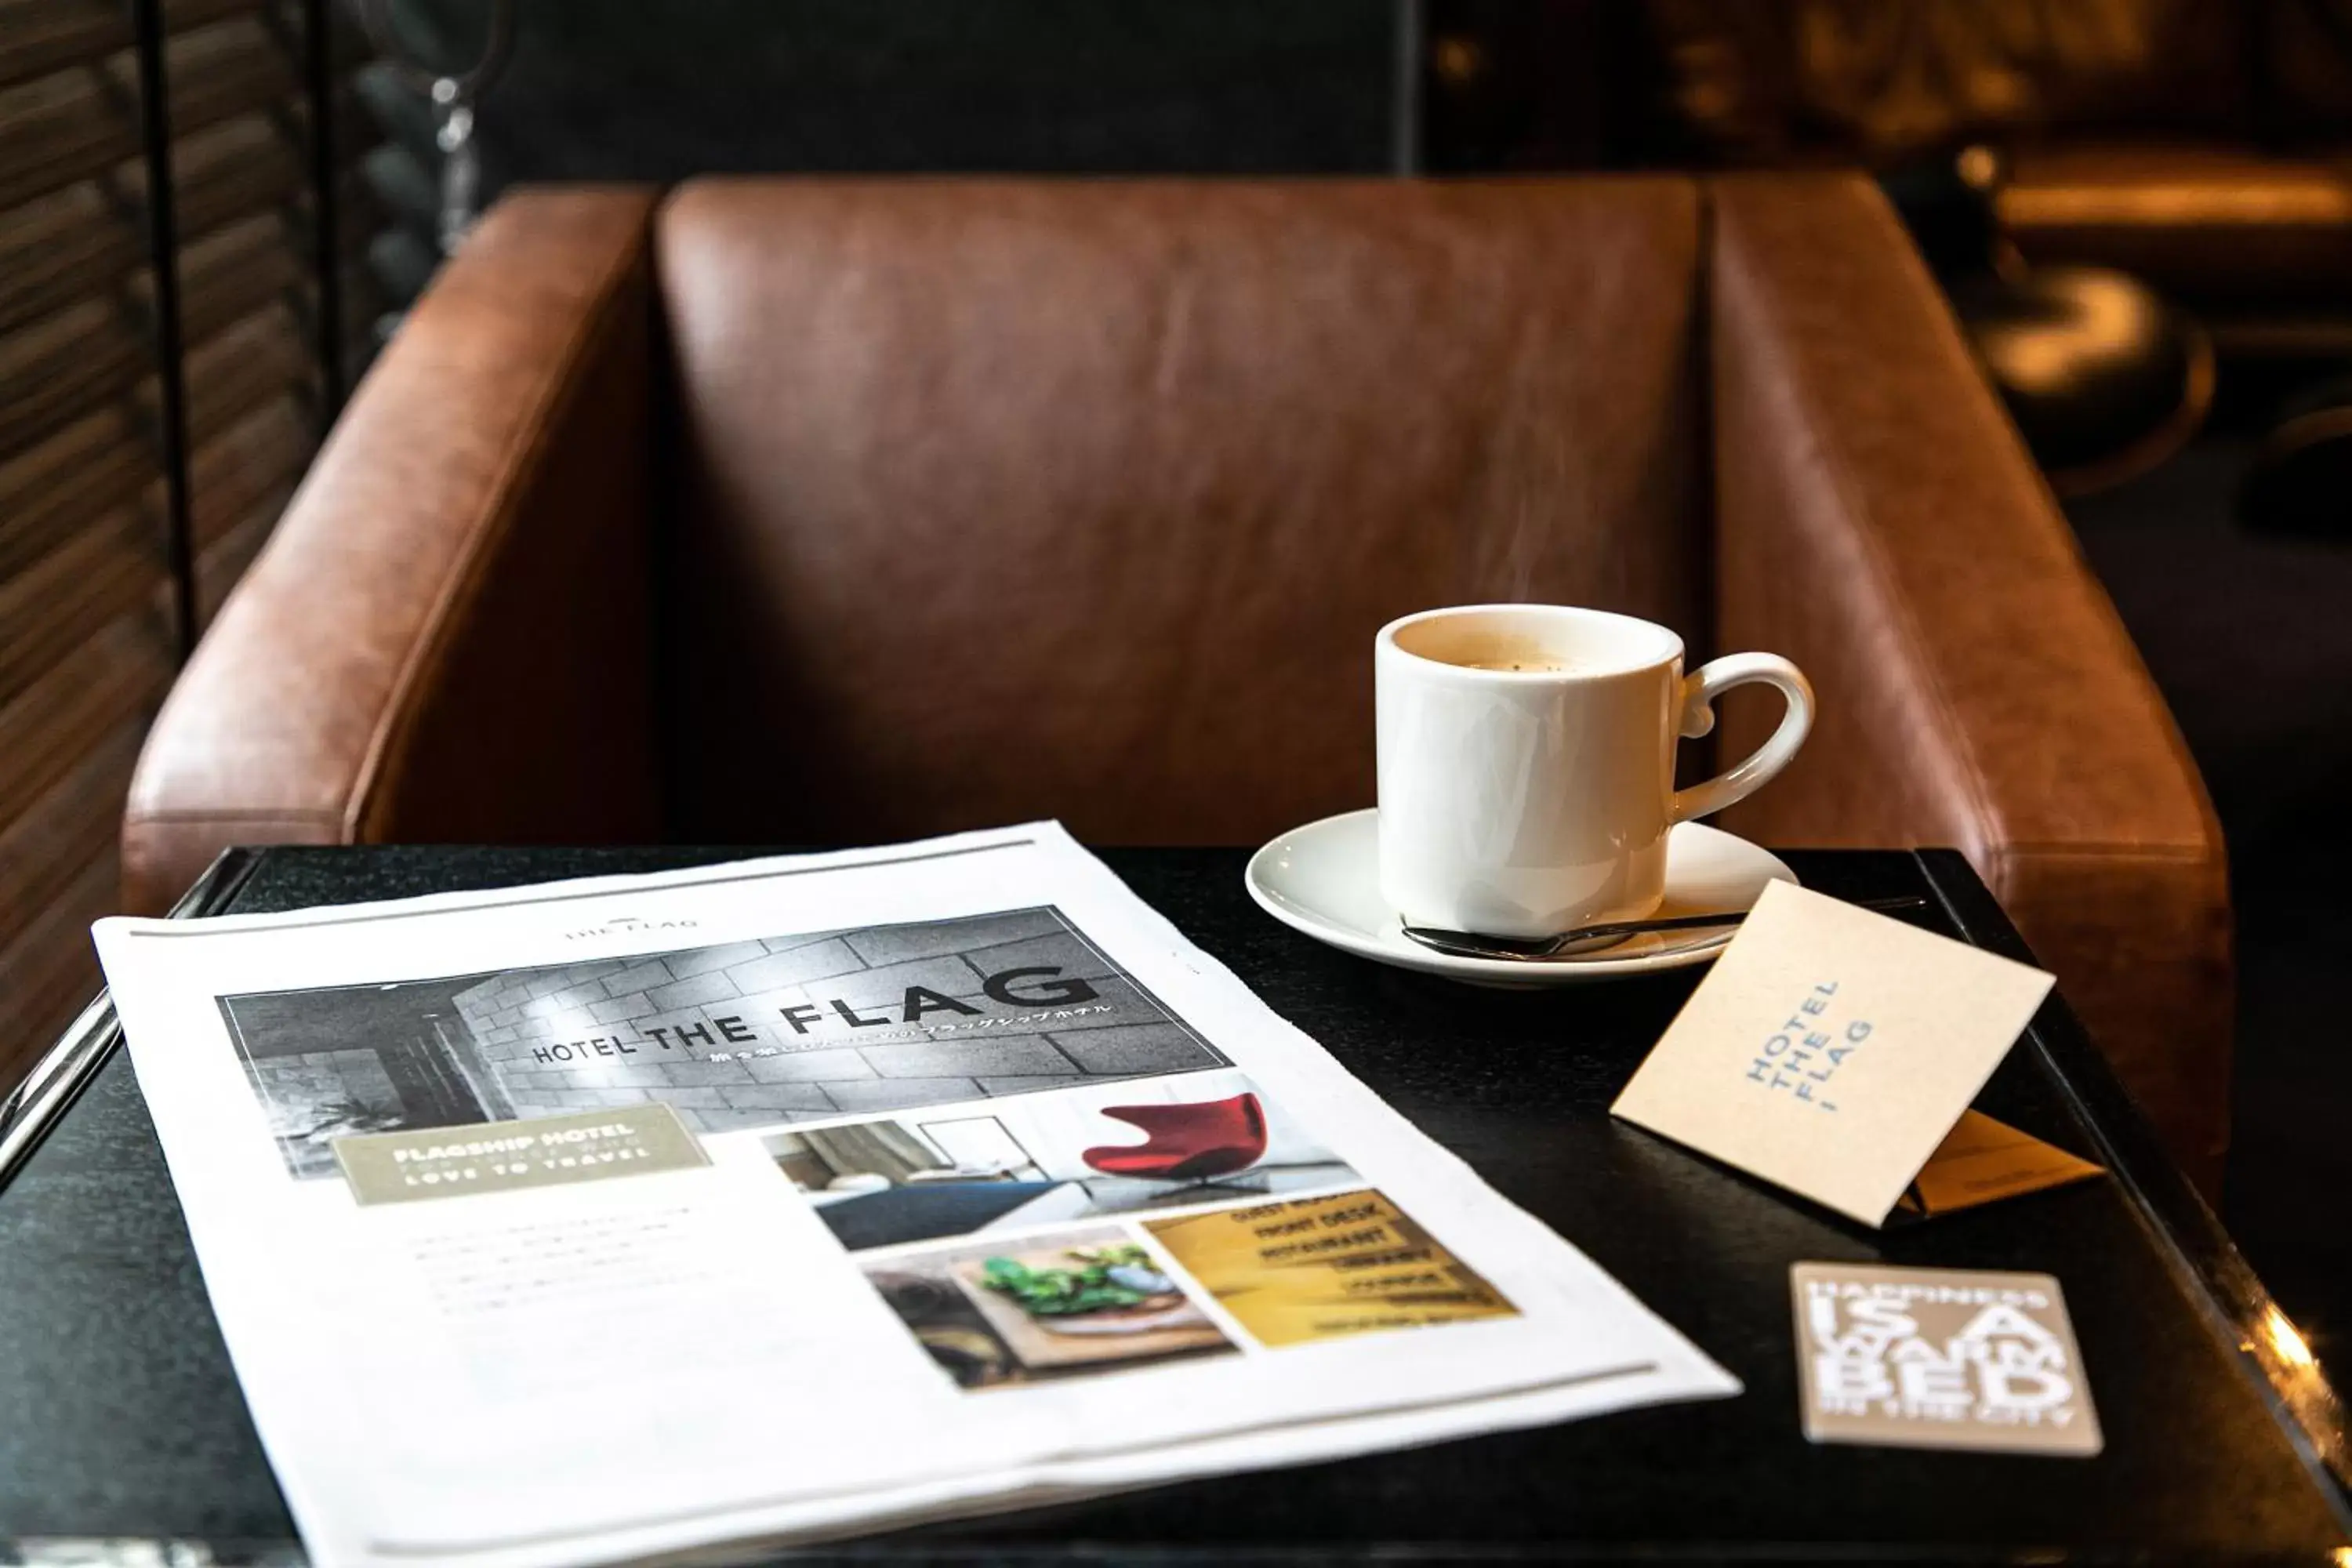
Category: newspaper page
[807,1197]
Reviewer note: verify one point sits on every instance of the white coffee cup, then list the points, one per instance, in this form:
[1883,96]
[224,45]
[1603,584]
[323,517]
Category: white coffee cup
[1527,762]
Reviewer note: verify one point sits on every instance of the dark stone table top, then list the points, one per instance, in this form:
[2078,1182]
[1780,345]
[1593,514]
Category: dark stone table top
[119,1416]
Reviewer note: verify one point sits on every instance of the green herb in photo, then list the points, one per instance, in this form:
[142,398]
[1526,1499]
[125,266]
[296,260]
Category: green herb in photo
[1105,1278]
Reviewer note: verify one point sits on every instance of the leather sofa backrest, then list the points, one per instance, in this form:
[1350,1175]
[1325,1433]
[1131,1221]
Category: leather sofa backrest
[985,501]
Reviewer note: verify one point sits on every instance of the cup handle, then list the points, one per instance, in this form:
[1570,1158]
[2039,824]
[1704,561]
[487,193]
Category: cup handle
[1711,680]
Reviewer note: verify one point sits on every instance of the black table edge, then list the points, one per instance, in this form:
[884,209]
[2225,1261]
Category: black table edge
[28,1111]
[2236,1304]
[2237,1307]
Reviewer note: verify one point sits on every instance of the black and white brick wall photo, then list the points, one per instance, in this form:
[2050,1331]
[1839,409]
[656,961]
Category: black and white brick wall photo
[752,1034]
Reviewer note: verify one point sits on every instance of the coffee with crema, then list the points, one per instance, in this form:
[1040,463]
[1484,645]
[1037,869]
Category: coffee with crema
[1527,755]
[1509,656]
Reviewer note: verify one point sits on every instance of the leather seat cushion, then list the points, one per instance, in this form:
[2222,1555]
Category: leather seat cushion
[998,499]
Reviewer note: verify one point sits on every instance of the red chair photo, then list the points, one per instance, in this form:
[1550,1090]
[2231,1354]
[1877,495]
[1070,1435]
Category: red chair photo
[1197,1142]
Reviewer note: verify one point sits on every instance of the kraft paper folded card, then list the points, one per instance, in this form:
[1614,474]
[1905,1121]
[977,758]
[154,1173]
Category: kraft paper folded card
[1983,1160]
[1833,1052]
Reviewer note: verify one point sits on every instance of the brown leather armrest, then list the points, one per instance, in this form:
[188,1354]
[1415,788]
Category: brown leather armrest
[1881,524]
[447,638]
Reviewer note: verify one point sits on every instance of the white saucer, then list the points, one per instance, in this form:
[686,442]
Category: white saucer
[1325,879]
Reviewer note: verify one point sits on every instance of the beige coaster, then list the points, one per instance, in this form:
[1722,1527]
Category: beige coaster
[1832,1050]
[1938,1358]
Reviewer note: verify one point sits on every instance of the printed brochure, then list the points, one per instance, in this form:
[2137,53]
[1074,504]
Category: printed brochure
[802,1198]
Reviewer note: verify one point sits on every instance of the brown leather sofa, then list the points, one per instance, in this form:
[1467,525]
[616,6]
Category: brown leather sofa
[806,511]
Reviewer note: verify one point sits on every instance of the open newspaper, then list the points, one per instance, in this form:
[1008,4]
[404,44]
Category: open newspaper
[811,1196]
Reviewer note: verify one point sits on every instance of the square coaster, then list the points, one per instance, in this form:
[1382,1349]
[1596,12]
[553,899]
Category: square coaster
[1832,1050]
[1939,1358]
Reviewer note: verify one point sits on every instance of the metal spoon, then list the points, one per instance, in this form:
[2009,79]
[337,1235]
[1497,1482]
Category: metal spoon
[1584,938]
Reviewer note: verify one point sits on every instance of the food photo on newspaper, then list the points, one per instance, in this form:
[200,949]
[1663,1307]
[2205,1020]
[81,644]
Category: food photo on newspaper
[957,1150]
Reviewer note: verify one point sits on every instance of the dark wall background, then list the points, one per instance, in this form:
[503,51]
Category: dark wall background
[628,90]
[656,91]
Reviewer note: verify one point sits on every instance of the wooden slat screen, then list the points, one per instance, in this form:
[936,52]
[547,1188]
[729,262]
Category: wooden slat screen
[86,644]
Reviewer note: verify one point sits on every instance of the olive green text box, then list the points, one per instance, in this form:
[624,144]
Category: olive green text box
[506,1156]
